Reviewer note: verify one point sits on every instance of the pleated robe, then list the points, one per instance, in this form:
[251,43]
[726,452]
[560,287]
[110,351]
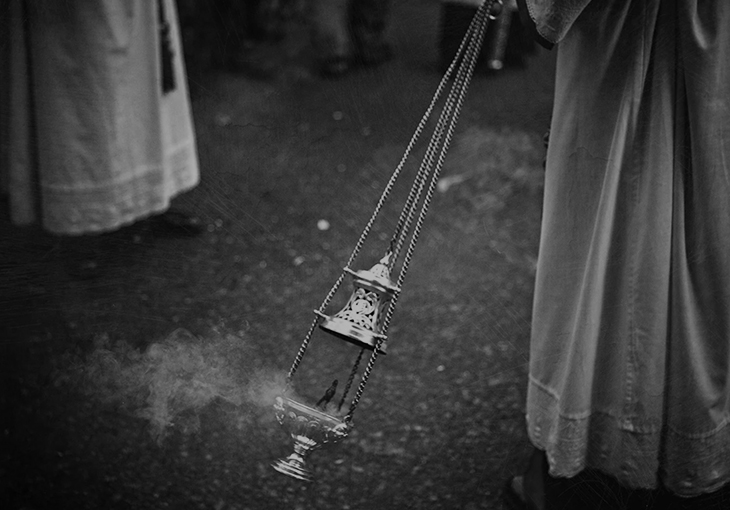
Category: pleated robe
[90,140]
[630,345]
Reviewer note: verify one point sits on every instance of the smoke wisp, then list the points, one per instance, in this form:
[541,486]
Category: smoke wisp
[171,381]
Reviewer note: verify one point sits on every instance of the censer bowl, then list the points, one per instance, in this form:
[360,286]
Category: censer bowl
[310,429]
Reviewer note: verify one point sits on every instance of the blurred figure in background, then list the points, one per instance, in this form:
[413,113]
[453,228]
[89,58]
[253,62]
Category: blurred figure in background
[96,124]
[350,33]
[232,35]
[506,43]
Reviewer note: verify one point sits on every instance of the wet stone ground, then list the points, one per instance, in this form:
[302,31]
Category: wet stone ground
[152,386]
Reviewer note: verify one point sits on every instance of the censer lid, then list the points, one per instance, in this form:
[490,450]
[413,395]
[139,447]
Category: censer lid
[377,276]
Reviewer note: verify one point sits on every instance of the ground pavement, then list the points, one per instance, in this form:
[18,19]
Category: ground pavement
[151,386]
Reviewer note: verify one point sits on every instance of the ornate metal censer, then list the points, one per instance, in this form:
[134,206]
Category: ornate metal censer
[365,319]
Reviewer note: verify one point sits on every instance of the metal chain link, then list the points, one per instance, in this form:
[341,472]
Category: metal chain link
[450,116]
[424,170]
[364,378]
[353,373]
[300,354]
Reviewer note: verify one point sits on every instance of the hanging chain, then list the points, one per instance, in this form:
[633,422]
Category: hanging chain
[364,379]
[353,372]
[414,195]
[447,121]
[420,182]
[455,104]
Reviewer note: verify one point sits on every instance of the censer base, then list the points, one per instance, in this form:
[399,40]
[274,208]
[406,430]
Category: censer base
[293,466]
[310,429]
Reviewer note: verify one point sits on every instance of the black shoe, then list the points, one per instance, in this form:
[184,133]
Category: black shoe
[514,494]
[176,223]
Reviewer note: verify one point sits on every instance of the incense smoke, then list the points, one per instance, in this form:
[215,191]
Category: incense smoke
[171,381]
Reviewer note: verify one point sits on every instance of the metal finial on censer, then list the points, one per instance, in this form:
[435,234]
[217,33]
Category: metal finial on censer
[365,318]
